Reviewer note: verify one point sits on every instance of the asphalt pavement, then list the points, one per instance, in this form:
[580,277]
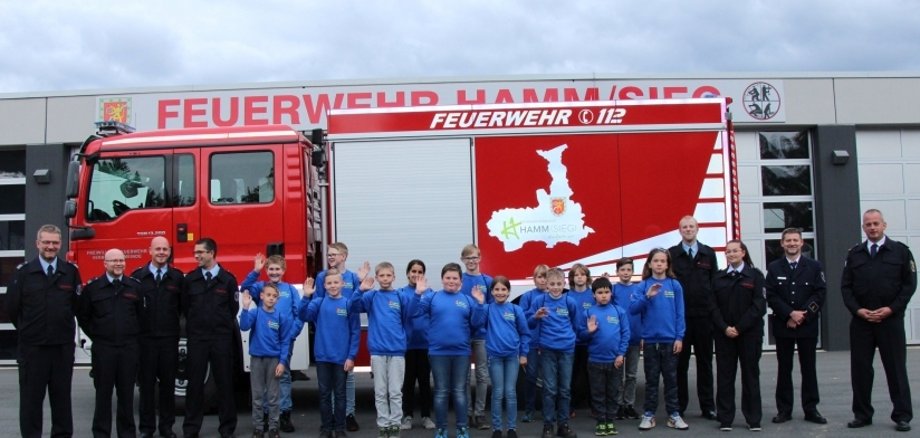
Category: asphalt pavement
[833,374]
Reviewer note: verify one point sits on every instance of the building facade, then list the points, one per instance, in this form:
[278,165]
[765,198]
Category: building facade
[814,150]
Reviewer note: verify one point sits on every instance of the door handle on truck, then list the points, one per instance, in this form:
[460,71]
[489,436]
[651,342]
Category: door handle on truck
[181,233]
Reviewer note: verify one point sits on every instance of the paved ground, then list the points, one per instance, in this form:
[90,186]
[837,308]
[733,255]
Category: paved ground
[833,369]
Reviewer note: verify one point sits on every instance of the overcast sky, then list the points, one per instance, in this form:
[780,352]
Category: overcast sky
[93,44]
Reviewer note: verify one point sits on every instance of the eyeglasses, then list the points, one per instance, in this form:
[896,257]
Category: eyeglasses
[471,259]
[116,261]
[201,251]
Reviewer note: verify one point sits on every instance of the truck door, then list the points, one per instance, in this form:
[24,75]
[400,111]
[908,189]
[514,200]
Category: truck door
[185,200]
[126,206]
[240,206]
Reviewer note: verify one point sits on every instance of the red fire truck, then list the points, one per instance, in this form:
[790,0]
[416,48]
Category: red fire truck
[555,183]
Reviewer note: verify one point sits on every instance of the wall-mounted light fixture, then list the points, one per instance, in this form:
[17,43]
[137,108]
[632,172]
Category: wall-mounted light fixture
[840,157]
[42,176]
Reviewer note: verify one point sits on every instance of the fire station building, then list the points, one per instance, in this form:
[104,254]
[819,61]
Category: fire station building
[813,150]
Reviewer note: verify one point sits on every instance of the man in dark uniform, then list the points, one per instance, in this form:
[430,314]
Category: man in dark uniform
[796,290]
[210,304]
[110,308]
[879,278]
[42,302]
[159,339]
[695,265]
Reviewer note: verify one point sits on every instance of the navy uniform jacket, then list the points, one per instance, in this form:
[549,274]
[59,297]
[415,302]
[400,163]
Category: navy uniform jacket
[160,315]
[889,279]
[802,289]
[739,301]
[210,308]
[42,309]
[695,276]
[109,313]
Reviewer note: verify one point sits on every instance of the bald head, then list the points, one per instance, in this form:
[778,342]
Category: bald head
[115,262]
[159,251]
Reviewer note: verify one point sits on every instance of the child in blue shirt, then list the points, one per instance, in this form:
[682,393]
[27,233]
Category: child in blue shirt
[507,344]
[554,320]
[453,316]
[338,332]
[418,368]
[623,292]
[532,372]
[606,329]
[289,304]
[269,350]
[389,318]
[580,291]
[475,279]
[659,302]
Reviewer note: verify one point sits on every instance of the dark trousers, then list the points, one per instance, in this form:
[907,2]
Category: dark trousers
[218,353]
[159,360]
[41,368]
[744,350]
[660,364]
[114,369]
[605,389]
[417,370]
[785,349]
[699,338]
[330,378]
[888,336]
[579,385]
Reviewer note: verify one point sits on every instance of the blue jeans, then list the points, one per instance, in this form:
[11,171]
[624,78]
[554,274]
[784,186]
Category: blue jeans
[532,372]
[504,371]
[451,377]
[660,360]
[331,380]
[557,380]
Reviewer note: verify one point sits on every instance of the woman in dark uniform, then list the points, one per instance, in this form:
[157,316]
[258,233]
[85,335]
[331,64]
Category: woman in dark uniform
[738,309]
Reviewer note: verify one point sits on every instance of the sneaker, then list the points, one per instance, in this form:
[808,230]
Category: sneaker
[463,432]
[725,427]
[496,434]
[394,430]
[441,433]
[621,413]
[383,432]
[406,423]
[676,422]
[647,423]
[511,434]
[427,423]
[286,425]
[565,432]
[351,424]
[754,427]
[611,428]
[528,417]
[631,413]
[548,431]
[481,423]
[600,429]
[274,433]
[258,434]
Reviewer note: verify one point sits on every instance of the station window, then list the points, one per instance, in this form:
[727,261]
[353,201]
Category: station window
[242,178]
[12,232]
[123,184]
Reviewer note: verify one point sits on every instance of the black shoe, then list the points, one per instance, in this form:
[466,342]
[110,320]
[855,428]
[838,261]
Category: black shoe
[783,417]
[621,413]
[258,434]
[902,426]
[351,424]
[547,431]
[709,415]
[631,413]
[481,423]
[512,433]
[497,434]
[169,434]
[815,417]
[565,432]
[857,423]
[285,423]
[274,434]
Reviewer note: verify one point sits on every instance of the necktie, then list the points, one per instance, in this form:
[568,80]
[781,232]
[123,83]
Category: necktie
[734,273]
[159,275]
[793,265]
[116,282]
[50,270]
[208,276]
[690,252]
[873,250]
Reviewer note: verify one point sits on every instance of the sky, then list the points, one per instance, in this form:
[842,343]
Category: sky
[67,45]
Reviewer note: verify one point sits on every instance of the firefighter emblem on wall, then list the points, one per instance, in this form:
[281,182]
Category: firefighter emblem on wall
[115,110]
[761,101]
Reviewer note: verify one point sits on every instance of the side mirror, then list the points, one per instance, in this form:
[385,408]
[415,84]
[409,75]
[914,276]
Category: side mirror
[70,208]
[73,179]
